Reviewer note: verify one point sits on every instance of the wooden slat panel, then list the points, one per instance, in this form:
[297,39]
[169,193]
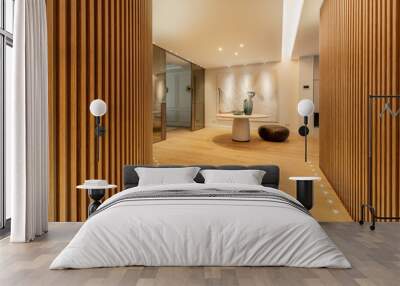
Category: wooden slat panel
[83,106]
[73,47]
[97,49]
[62,113]
[359,42]
[51,21]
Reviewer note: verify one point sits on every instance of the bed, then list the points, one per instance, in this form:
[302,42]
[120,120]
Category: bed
[198,224]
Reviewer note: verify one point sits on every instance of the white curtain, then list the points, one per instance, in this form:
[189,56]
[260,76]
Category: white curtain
[27,123]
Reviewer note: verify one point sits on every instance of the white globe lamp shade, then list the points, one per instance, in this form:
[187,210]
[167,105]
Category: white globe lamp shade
[98,107]
[305,107]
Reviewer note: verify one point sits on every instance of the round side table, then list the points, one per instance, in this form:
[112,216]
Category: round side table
[96,194]
[304,190]
[241,125]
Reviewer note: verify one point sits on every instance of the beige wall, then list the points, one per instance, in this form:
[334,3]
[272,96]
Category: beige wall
[288,93]
[309,75]
[306,77]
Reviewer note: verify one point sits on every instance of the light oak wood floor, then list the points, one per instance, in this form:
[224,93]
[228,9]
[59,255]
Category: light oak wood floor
[375,257]
[214,146]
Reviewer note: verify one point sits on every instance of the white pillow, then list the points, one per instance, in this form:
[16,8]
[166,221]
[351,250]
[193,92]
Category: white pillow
[247,177]
[166,176]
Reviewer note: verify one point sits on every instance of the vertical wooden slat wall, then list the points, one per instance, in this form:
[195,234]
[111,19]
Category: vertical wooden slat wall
[97,49]
[360,55]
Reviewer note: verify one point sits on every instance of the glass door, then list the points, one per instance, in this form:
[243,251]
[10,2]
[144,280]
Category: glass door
[159,94]
[198,97]
[6,62]
[179,93]
[2,125]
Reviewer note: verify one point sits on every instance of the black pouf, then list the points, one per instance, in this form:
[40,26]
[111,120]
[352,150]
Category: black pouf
[274,133]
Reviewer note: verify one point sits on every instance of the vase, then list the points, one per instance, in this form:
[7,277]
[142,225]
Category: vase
[248,106]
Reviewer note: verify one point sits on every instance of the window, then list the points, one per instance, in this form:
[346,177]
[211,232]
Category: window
[6,63]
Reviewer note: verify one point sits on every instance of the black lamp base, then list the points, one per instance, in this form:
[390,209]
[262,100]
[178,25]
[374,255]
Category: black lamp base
[96,195]
[304,131]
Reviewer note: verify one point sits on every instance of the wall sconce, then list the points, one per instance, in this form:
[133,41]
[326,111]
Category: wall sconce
[305,108]
[98,108]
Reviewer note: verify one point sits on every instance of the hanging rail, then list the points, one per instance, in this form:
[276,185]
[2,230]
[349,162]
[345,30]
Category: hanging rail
[369,205]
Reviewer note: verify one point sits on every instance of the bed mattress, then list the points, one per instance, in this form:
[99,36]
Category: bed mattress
[201,225]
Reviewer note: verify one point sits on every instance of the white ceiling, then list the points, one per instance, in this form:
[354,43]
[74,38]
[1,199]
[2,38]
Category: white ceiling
[195,29]
[307,39]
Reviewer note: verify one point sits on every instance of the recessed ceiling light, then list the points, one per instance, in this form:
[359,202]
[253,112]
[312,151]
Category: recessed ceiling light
[220,49]
[241,45]
[236,53]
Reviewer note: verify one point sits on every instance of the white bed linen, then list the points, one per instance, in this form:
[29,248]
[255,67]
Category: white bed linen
[166,176]
[214,231]
[248,177]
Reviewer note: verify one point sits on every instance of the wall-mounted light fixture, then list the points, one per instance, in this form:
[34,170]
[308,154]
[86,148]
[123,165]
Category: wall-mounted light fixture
[305,108]
[98,108]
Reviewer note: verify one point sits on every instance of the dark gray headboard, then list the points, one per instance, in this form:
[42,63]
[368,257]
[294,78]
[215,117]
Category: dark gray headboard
[271,177]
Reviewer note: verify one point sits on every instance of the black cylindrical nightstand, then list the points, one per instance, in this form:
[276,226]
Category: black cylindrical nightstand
[304,190]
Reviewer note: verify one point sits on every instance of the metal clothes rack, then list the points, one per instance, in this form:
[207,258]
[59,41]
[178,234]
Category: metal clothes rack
[387,108]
